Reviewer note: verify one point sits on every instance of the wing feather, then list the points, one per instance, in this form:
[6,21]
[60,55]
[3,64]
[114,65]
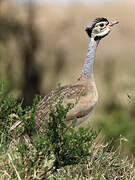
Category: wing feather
[71,92]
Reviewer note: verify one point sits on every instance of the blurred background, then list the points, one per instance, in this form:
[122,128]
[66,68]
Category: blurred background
[43,43]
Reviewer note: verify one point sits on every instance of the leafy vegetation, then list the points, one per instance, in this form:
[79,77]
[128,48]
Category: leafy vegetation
[60,151]
[8,108]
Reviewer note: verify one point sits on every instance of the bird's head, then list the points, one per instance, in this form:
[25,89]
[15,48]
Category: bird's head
[99,28]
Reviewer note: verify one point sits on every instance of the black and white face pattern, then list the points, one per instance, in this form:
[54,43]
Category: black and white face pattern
[99,28]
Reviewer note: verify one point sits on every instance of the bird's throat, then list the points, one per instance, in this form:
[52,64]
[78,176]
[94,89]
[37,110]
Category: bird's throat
[87,70]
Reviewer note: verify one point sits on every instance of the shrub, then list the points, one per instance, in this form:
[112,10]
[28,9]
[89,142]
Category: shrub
[59,152]
[69,146]
[58,143]
[8,114]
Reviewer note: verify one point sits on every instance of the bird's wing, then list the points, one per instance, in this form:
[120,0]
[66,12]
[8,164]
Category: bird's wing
[69,93]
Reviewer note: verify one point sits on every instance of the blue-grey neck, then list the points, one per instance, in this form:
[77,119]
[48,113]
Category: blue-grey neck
[87,70]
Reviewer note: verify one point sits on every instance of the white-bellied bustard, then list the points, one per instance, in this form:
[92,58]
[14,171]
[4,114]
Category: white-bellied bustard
[85,84]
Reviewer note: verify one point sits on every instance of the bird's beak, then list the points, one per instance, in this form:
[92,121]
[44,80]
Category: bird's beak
[113,23]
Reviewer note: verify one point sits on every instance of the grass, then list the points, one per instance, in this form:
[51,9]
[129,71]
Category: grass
[60,151]
[102,163]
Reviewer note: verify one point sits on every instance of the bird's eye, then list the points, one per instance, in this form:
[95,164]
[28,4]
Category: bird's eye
[101,25]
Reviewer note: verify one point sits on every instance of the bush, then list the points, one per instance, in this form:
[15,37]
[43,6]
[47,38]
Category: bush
[59,144]
[8,114]
[69,146]
[59,152]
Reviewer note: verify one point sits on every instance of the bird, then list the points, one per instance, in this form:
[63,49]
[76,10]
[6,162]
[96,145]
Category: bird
[85,84]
